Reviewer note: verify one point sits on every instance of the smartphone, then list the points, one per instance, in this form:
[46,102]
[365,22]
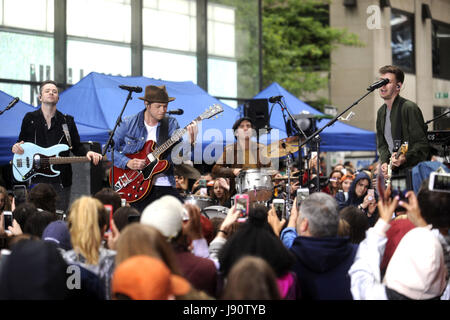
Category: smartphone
[302,194]
[109,209]
[241,203]
[203,191]
[8,219]
[371,194]
[439,182]
[279,207]
[123,202]
[20,194]
[202,183]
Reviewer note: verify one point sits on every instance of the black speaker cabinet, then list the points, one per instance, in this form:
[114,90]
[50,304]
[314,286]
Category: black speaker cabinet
[258,111]
[87,178]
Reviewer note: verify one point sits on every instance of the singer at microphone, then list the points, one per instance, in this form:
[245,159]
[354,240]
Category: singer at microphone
[132,89]
[176,111]
[406,123]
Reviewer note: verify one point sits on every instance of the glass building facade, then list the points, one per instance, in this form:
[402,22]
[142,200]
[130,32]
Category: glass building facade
[214,43]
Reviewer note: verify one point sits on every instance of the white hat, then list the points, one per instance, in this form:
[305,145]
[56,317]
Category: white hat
[417,269]
[165,214]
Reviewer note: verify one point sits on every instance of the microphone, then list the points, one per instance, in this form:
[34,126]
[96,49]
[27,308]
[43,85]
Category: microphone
[132,89]
[275,99]
[378,84]
[12,103]
[176,111]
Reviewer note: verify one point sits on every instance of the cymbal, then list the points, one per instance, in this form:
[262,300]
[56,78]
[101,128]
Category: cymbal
[282,147]
[187,171]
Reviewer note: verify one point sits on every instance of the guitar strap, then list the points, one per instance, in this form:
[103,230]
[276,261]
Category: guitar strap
[163,131]
[66,132]
[398,134]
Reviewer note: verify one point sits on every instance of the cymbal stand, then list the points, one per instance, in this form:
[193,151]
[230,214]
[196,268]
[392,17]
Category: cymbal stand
[287,204]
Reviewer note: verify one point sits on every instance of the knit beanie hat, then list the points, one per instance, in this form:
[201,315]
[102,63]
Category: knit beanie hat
[165,214]
[417,269]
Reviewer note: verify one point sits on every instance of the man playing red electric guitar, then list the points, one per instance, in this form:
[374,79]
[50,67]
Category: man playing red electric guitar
[149,124]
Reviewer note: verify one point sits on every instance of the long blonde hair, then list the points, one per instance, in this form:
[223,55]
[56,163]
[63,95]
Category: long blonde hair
[84,227]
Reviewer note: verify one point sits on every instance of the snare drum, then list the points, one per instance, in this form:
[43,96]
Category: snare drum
[257,183]
[200,201]
[215,211]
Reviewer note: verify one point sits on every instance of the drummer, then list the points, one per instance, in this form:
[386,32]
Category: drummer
[241,155]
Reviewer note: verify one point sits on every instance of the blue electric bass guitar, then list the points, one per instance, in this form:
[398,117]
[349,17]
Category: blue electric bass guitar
[39,161]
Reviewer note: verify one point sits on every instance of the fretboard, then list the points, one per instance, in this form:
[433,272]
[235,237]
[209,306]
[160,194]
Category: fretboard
[172,140]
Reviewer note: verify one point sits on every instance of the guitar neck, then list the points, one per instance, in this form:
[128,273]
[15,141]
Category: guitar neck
[172,140]
[65,160]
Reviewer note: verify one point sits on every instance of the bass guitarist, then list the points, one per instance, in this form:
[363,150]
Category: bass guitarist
[149,124]
[47,127]
[399,121]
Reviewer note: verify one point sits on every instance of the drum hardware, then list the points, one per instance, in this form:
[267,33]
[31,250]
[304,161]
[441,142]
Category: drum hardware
[257,183]
[200,201]
[282,148]
[215,211]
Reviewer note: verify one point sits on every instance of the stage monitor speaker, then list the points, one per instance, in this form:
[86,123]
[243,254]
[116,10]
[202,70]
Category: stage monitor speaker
[258,111]
[87,178]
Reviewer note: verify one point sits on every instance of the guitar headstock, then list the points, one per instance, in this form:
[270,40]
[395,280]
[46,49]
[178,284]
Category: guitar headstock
[404,148]
[211,112]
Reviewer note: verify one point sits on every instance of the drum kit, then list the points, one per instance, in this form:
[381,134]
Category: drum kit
[258,184]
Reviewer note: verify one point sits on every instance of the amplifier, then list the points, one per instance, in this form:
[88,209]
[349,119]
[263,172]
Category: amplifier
[441,137]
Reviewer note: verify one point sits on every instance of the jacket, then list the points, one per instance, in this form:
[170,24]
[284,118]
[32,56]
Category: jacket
[414,131]
[322,265]
[34,129]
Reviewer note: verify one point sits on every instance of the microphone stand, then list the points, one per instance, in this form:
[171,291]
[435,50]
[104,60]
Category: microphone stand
[439,116]
[110,143]
[330,123]
[299,130]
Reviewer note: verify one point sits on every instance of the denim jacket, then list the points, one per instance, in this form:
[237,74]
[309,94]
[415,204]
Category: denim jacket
[131,136]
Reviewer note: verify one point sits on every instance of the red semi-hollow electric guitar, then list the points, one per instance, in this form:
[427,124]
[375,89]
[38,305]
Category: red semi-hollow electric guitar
[134,185]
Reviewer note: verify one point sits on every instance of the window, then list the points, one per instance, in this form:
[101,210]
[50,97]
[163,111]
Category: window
[221,30]
[441,50]
[443,123]
[402,40]
[170,24]
[35,15]
[222,78]
[26,57]
[100,19]
[170,66]
[84,57]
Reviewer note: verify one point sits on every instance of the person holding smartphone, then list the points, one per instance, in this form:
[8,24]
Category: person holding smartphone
[360,197]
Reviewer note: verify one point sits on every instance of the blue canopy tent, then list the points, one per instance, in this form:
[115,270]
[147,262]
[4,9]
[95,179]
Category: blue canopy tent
[338,137]
[96,101]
